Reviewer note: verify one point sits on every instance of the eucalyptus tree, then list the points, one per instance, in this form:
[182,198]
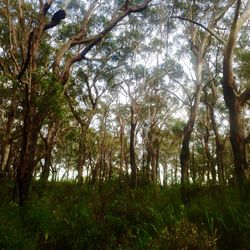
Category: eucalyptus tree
[215,105]
[122,113]
[83,95]
[53,130]
[134,77]
[131,79]
[207,155]
[104,155]
[135,109]
[32,56]
[235,98]
[170,150]
[65,154]
[159,109]
[199,44]
[9,130]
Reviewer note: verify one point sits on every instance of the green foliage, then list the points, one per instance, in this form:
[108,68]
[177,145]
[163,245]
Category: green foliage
[178,126]
[186,235]
[66,31]
[50,98]
[12,235]
[243,57]
[112,216]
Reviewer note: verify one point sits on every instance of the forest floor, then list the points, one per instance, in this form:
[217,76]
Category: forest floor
[112,216]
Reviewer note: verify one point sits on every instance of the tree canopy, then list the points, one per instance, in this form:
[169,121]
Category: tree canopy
[149,90]
[137,112]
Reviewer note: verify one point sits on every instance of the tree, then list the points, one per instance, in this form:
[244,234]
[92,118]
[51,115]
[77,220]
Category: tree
[211,97]
[49,143]
[29,51]
[235,100]
[199,43]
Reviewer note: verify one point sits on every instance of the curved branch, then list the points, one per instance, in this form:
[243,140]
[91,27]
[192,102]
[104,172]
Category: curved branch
[113,22]
[176,96]
[212,33]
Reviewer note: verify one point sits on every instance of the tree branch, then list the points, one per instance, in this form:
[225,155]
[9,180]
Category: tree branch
[221,13]
[90,95]
[72,108]
[245,15]
[113,22]
[212,33]
[247,139]
[176,96]
[245,96]
[228,82]
[79,38]
[12,39]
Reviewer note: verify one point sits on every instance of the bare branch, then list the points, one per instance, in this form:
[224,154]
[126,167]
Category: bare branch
[184,89]
[222,12]
[175,95]
[46,6]
[212,33]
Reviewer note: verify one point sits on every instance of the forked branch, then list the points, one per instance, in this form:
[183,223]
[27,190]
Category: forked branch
[212,33]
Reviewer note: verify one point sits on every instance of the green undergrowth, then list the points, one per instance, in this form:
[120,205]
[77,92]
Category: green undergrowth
[113,216]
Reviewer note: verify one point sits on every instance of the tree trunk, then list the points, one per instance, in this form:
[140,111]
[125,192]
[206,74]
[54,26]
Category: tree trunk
[148,160]
[210,160]
[49,141]
[165,173]
[122,147]
[233,100]
[155,147]
[193,168]
[158,179]
[81,158]
[199,44]
[46,167]
[5,155]
[132,150]
[5,152]
[144,155]
[185,151]
[32,125]
[153,167]
[175,172]
[110,172]
[219,148]
[236,130]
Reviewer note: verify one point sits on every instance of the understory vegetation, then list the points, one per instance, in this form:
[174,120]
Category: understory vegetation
[63,215]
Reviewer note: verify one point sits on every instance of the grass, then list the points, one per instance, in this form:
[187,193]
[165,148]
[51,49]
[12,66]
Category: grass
[65,216]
